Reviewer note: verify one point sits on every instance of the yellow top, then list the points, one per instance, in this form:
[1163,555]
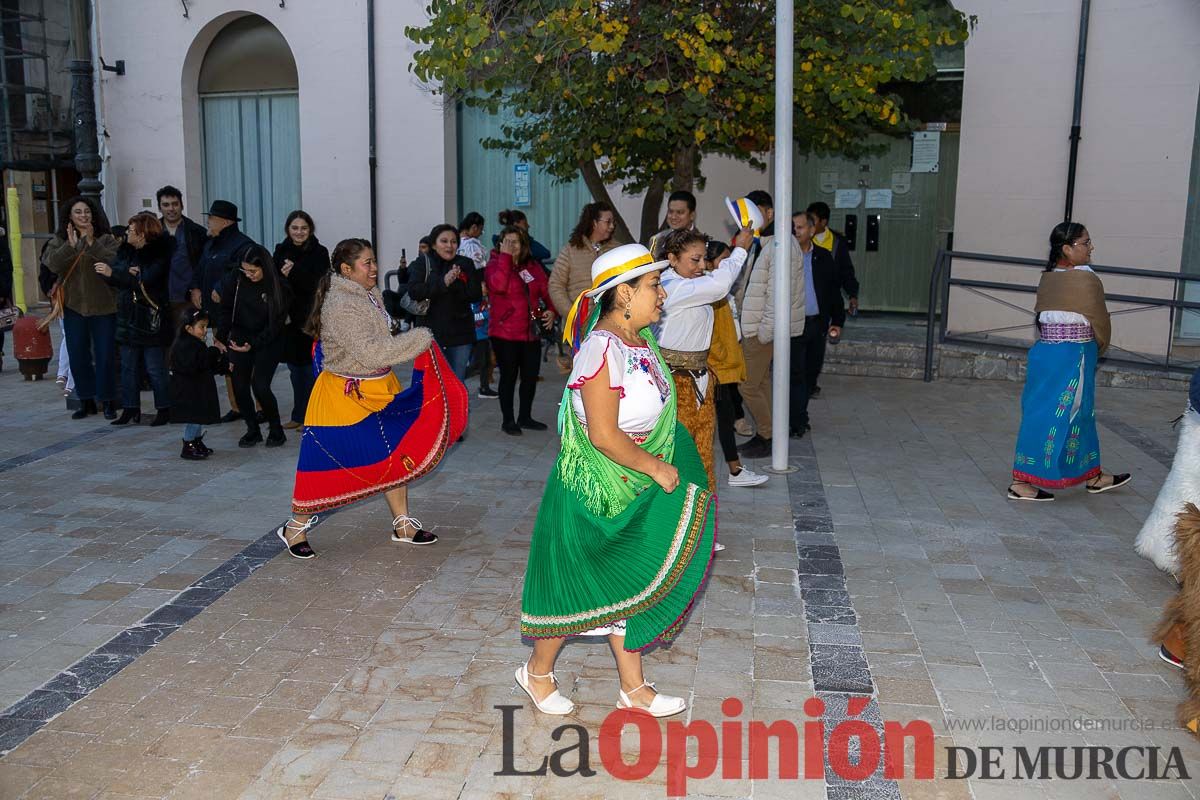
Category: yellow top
[825,239]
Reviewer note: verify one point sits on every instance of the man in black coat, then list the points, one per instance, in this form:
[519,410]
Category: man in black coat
[847,281]
[189,239]
[824,315]
[223,253]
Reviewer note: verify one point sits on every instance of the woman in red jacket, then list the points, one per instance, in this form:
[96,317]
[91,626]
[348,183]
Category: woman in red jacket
[519,292]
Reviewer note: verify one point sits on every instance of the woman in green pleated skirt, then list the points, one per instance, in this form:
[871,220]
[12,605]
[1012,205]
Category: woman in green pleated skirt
[626,530]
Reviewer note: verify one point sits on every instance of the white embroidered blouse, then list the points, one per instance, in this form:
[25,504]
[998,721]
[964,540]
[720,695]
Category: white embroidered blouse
[632,371]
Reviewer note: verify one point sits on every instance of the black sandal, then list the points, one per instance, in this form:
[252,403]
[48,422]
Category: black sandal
[420,537]
[301,549]
[1117,482]
[1042,496]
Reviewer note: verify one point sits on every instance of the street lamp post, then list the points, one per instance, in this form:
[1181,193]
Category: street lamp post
[780,388]
[83,104]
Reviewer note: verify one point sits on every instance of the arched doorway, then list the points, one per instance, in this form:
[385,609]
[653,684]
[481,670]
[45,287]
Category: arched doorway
[249,108]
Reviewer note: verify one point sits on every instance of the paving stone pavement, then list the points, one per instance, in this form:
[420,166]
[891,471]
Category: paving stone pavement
[889,568]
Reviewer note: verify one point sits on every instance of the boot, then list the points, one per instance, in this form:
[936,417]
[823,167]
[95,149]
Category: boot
[202,447]
[110,409]
[276,437]
[128,415]
[161,418]
[190,453]
[253,436]
[86,409]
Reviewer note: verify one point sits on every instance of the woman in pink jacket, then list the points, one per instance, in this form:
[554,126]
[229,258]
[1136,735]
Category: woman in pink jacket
[519,292]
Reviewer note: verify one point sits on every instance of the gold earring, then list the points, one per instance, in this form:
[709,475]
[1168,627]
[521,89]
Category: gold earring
[626,311]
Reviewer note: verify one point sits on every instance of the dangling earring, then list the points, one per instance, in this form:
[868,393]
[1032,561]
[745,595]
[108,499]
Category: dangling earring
[627,313]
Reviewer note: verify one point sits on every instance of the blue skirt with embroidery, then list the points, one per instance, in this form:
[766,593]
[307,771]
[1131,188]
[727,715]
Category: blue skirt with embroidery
[1057,445]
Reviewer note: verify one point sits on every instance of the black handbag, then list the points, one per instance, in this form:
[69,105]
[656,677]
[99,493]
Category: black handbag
[145,318]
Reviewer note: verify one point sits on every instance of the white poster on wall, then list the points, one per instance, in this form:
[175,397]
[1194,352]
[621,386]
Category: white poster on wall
[829,180]
[926,147]
[847,198]
[879,198]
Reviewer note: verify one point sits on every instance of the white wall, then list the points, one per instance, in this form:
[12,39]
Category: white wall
[1138,123]
[151,113]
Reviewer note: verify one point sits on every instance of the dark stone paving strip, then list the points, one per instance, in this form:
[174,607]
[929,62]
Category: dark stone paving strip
[1135,437]
[841,675]
[26,716]
[53,449]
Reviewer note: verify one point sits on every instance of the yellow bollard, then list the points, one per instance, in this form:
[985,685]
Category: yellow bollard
[14,246]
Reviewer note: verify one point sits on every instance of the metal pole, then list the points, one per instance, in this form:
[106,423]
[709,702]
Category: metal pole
[1077,109]
[83,104]
[780,387]
[372,184]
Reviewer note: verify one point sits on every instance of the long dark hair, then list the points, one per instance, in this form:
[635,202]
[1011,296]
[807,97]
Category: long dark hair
[470,221]
[276,302]
[587,220]
[99,219]
[347,251]
[295,215]
[1064,233]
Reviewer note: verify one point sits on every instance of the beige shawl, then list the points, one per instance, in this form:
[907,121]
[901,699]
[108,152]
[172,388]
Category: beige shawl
[1080,291]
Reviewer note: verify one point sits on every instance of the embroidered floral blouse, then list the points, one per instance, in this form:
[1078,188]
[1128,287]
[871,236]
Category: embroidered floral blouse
[632,371]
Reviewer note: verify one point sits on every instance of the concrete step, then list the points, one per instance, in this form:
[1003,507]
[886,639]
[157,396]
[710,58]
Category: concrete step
[903,359]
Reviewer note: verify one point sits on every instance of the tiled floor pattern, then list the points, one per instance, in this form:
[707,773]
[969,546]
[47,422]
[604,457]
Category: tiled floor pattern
[375,669]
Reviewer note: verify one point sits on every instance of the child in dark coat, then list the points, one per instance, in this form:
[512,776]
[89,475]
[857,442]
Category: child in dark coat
[193,391]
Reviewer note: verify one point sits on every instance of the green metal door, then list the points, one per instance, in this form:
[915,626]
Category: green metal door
[896,276]
[489,184]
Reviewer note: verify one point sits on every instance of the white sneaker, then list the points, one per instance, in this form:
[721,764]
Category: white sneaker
[748,477]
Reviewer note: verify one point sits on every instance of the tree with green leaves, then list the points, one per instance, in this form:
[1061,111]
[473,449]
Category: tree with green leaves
[637,92]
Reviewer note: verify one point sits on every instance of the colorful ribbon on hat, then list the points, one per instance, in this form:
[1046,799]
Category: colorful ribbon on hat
[585,311]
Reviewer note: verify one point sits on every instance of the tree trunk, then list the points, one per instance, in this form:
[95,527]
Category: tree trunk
[685,169]
[595,185]
[651,207]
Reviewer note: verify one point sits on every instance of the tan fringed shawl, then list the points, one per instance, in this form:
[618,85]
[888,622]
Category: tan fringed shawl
[1080,291]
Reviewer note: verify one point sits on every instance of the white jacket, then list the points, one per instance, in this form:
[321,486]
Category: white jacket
[758,298]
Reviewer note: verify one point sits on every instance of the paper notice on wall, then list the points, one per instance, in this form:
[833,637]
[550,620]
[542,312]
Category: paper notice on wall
[879,198]
[829,180]
[926,147]
[901,181]
[522,188]
[847,198]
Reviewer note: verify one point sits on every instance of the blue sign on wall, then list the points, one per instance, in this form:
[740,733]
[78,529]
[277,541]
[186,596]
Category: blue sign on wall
[522,191]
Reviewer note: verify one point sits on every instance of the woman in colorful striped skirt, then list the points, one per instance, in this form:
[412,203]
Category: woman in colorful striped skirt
[626,529]
[362,434]
[1058,445]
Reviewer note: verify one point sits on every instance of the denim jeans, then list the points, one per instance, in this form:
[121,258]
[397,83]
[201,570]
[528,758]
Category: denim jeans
[92,346]
[192,432]
[303,381]
[131,375]
[459,357]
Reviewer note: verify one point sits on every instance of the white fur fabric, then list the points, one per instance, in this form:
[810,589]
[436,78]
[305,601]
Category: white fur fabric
[1157,538]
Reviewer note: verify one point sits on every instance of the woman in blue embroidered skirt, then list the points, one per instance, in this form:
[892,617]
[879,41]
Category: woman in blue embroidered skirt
[1058,446]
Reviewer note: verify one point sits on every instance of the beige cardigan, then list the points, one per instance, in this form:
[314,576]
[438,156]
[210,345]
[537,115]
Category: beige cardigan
[572,274]
[356,339]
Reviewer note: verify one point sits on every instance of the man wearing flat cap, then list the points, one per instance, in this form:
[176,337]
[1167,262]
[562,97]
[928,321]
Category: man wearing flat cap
[224,250]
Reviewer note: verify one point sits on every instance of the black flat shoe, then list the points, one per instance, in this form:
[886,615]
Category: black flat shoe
[86,409]
[1117,482]
[798,433]
[420,537]
[110,410]
[511,428]
[232,416]
[757,447]
[301,550]
[250,439]
[531,424]
[161,418]
[1042,496]
[129,415]
[276,438]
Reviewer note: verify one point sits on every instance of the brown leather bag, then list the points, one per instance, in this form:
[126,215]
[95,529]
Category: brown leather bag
[58,294]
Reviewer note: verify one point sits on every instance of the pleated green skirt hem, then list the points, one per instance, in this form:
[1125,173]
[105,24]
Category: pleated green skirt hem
[646,565]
